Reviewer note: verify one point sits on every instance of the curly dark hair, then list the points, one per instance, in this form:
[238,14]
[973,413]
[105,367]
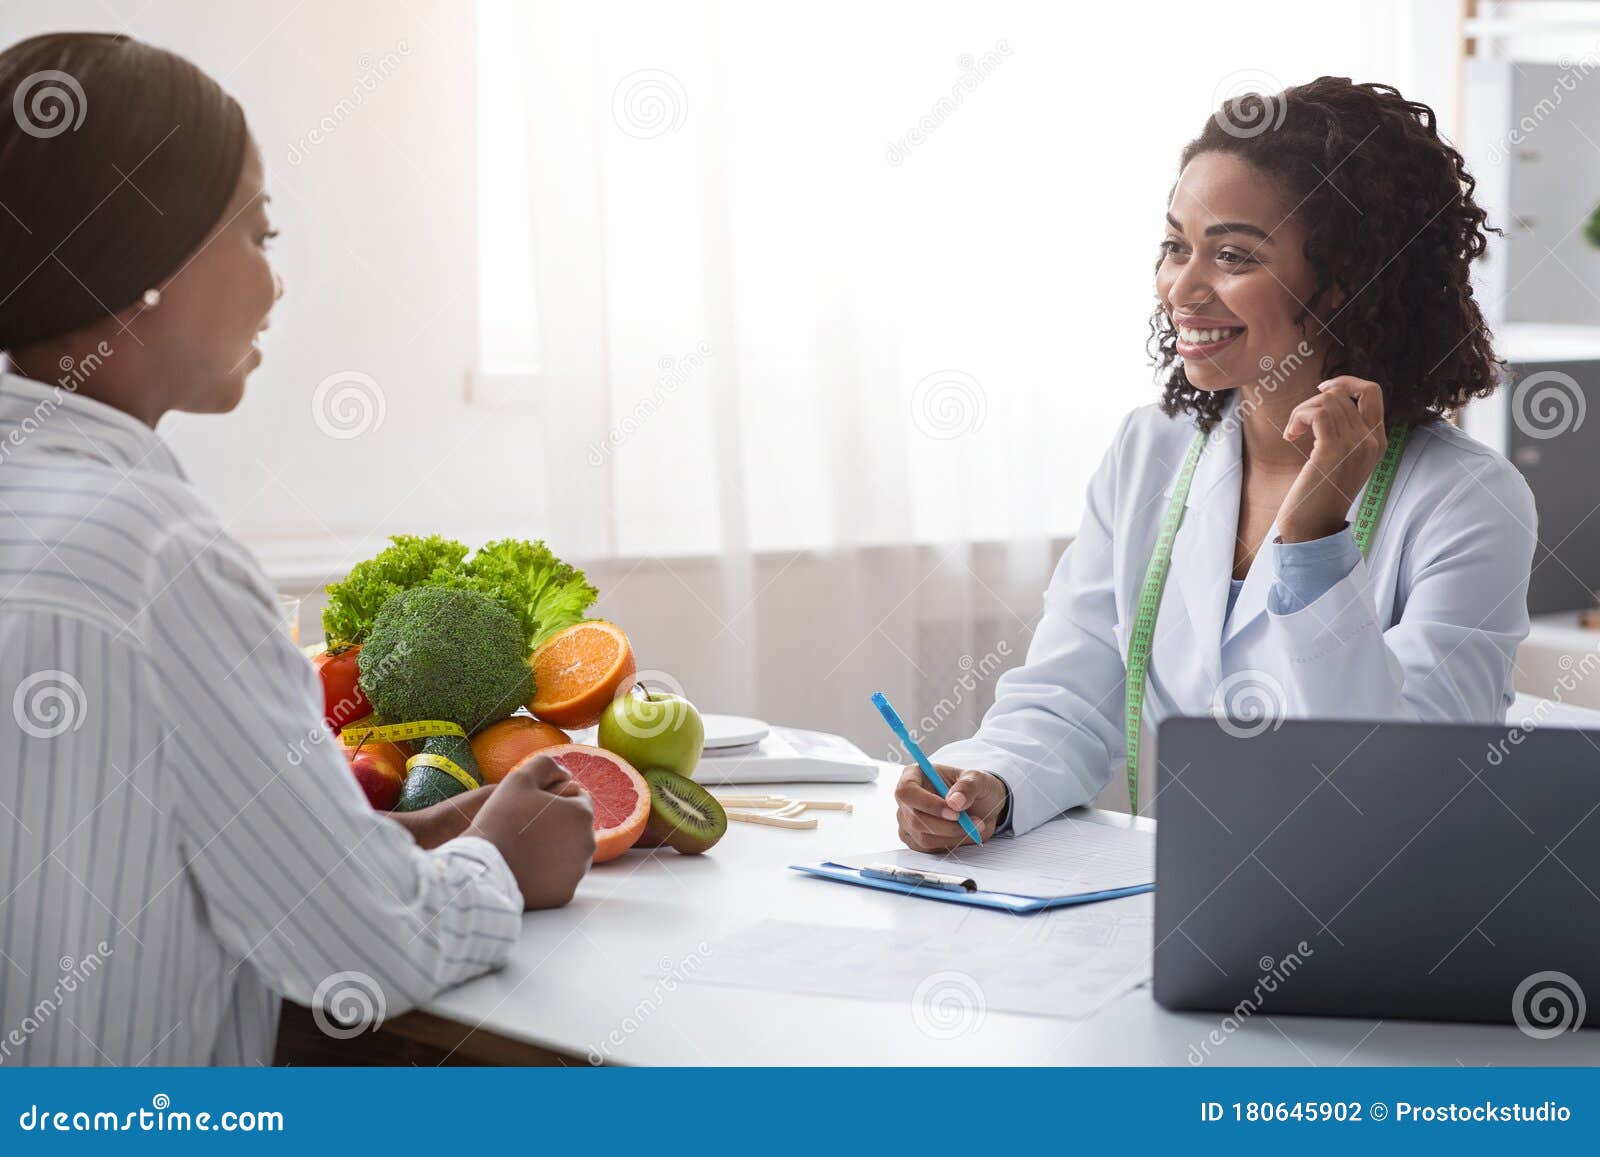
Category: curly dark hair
[1391,224]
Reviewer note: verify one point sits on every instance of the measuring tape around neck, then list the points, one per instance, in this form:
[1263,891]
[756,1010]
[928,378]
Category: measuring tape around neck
[1155,580]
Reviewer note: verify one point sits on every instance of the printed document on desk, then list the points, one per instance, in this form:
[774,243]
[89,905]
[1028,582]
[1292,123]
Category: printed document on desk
[1069,963]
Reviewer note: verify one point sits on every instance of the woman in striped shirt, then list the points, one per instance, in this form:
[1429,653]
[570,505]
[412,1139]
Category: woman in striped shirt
[179,843]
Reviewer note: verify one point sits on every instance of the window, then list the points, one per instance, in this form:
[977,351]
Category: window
[843,274]
[507,309]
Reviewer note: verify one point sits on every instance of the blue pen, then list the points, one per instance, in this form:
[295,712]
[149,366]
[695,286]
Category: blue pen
[899,728]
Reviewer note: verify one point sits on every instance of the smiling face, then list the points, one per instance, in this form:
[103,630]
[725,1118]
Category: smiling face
[1233,275]
[201,337]
[193,349]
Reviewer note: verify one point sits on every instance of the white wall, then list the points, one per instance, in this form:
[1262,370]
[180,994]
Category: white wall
[378,250]
[379,254]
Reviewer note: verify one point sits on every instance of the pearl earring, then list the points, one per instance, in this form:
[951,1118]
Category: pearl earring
[151,298]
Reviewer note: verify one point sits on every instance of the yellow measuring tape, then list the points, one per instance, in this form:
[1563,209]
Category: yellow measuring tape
[359,731]
[449,766]
[1155,580]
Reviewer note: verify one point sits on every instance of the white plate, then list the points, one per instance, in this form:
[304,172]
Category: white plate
[733,731]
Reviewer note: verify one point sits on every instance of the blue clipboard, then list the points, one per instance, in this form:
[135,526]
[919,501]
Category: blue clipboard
[1004,901]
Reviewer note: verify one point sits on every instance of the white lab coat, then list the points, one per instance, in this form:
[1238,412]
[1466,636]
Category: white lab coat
[1426,627]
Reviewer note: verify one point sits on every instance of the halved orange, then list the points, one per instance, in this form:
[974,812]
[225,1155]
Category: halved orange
[577,672]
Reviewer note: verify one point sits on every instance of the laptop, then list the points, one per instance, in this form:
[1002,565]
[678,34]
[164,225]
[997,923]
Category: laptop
[1379,870]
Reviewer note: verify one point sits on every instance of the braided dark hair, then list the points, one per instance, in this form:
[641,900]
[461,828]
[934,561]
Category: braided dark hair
[1391,230]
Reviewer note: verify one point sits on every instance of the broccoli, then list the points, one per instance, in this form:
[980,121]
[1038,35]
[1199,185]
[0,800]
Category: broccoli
[439,653]
[442,653]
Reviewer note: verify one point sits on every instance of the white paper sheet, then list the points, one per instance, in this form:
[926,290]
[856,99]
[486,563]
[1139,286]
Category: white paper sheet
[1063,857]
[1068,963]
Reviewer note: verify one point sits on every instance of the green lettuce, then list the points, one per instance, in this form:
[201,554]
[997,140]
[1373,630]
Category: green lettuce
[408,561]
[545,594]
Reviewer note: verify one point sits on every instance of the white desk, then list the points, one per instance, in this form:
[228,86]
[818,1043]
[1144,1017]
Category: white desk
[1559,658]
[580,973]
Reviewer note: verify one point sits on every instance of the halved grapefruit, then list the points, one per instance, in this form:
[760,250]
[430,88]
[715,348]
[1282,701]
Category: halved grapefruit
[577,671]
[620,794]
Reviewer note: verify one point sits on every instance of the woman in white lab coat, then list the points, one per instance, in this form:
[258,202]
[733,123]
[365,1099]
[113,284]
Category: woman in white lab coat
[1316,325]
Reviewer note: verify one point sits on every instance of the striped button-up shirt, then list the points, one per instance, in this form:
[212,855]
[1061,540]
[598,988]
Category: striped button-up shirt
[181,841]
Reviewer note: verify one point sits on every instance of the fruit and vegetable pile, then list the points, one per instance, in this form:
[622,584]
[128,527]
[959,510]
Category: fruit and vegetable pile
[443,673]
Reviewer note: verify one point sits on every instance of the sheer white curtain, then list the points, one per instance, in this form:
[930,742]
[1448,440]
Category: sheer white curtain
[865,282]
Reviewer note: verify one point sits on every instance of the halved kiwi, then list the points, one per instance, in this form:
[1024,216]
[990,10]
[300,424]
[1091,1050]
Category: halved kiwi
[683,815]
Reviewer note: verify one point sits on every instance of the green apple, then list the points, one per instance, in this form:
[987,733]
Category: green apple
[653,729]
